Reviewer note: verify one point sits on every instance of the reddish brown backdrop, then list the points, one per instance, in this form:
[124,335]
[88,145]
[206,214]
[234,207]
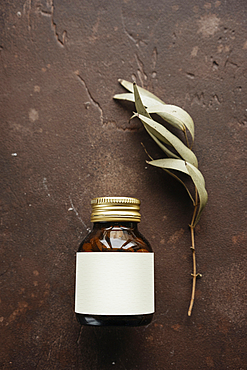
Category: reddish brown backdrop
[64,140]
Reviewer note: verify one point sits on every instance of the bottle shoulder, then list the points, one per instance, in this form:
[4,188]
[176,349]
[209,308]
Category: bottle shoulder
[115,239]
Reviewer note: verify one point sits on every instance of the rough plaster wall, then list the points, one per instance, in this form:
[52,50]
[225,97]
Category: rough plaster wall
[64,140]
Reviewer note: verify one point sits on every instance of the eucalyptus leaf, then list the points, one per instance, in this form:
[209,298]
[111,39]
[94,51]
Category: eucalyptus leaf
[173,164]
[165,135]
[199,182]
[193,172]
[139,103]
[174,115]
[161,133]
[143,92]
[146,100]
[163,147]
[141,110]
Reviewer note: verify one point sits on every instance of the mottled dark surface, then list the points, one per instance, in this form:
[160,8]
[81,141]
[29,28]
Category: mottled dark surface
[64,140]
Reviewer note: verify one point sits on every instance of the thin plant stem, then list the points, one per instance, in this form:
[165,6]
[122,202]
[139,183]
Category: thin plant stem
[192,299]
[147,152]
[194,274]
[186,138]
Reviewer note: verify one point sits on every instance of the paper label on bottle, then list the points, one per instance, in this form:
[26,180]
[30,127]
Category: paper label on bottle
[109,283]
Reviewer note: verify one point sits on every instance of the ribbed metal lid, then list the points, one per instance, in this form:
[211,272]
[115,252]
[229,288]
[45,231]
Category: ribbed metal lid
[115,209]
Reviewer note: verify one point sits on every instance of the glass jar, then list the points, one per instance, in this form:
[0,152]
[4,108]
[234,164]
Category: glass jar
[114,288]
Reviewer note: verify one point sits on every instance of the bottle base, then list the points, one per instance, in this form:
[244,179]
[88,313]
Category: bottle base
[102,320]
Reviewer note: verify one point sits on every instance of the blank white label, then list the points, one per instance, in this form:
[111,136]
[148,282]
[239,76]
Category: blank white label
[114,283]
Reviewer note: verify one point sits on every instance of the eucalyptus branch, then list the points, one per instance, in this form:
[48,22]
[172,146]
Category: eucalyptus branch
[181,159]
[194,274]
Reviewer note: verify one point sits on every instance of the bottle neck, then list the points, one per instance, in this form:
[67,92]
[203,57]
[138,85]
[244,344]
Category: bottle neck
[120,224]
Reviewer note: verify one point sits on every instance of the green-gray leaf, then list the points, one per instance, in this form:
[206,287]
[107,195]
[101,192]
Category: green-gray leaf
[142,110]
[143,92]
[165,135]
[147,101]
[173,164]
[199,182]
[163,147]
[161,133]
[193,172]
[174,115]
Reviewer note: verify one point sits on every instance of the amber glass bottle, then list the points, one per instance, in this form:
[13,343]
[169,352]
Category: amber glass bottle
[114,288]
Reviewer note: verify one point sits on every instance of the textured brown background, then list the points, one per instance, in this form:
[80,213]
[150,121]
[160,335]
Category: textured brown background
[64,140]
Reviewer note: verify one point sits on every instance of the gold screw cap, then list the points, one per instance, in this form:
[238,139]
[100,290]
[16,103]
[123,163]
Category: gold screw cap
[115,209]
